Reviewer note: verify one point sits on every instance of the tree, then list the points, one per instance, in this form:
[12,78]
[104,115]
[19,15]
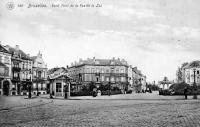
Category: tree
[178,88]
[179,75]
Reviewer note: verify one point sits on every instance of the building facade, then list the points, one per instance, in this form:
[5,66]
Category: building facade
[21,74]
[39,75]
[130,78]
[192,73]
[139,80]
[99,71]
[5,71]
[18,71]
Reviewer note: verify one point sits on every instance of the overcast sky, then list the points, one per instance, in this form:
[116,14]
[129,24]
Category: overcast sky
[154,35]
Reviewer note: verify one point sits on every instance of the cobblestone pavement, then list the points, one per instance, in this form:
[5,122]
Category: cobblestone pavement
[108,113]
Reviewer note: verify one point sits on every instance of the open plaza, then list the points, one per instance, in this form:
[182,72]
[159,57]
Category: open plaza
[130,110]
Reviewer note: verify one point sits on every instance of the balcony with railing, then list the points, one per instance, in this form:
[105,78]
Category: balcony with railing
[17,69]
[16,78]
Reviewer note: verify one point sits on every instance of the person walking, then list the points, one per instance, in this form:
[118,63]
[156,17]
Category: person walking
[185,92]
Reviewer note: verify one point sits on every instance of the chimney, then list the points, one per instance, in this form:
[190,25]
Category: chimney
[17,47]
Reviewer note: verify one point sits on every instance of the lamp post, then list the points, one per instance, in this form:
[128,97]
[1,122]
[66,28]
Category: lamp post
[67,87]
[29,88]
[80,80]
[37,80]
[194,86]
[111,69]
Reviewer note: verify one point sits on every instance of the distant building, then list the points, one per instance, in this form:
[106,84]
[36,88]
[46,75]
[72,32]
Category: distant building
[139,80]
[5,71]
[189,70]
[143,82]
[99,71]
[39,75]
[130,77]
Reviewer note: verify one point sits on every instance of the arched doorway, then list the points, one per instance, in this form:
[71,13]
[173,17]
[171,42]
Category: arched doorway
[6,88]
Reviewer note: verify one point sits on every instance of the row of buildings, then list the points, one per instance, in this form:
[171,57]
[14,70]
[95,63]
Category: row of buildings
[189,72]
[113,72]
[18,70]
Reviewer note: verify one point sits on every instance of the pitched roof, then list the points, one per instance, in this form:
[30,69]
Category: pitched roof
[2,49]
[2,65]
[192,64]
[101,62]
[33,57]
[18,52]
[58,73]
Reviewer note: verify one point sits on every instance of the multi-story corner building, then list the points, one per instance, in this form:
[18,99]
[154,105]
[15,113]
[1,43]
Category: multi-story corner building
[39,75]
[139,80]
[21,75]
[143,82]
[5,71]
[130,78]
[99,71]
[192,72]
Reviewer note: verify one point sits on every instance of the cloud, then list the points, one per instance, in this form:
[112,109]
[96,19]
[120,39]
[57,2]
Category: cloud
[120,13]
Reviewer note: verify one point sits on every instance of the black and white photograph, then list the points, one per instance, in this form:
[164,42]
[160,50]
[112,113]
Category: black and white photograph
[99,63]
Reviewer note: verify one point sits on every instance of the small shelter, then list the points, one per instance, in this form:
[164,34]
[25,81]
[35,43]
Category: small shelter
[58,80]
[165,83]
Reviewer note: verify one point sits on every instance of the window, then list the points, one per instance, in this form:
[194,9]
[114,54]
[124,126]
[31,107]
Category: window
[102,70]
[197,72]
[2,71]
[107,79]
[122,79]
[7,71]
[102,78]
[39,74]
[117,70]
[58,87]
[15,74]
[93,70]
[6,60]
[0,58]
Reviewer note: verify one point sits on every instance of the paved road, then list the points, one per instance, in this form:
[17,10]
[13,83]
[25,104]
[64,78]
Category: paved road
[109,112]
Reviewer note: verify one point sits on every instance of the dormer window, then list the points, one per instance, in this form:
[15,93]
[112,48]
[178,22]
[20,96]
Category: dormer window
[96,62]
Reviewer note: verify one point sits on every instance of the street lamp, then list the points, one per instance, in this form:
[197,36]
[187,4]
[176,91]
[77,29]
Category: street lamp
[111,69]
[195,86]
[79,80]
[29,88]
